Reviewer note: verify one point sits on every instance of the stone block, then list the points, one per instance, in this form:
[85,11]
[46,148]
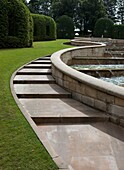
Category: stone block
[67,78]
[114,120]
[91,92]
[122,122]
[76,96]
[78,88]
[119,101]
[59,74]
[105,97]
[59,81]
[66,84]
[100,105]
[117,111]
[87,100]
[72,86]
[83,89]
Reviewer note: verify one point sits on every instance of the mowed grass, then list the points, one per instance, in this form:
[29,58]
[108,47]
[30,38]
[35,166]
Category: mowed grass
[19,146]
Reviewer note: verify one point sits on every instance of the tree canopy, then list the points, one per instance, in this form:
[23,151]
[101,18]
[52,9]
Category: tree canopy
[84,13]
[120,12]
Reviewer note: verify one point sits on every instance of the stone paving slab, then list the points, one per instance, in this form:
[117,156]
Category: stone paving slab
[39,89]
[38,66]
[33,71]
[99,146]
[59,108]
[33,77]
[44,58]
[28,79]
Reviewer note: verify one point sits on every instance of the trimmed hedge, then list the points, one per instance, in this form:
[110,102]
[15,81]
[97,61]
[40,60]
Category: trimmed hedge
[15,25]
[118,31]
[50,28]
[103,27]
[44,28]
[65,27]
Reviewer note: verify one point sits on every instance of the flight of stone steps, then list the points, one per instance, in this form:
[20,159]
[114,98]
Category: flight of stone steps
[45,101]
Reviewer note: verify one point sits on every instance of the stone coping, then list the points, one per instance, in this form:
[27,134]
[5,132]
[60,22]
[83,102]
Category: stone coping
[98,39]
[101,85]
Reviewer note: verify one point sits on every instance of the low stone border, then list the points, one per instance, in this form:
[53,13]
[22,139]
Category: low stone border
[87,89]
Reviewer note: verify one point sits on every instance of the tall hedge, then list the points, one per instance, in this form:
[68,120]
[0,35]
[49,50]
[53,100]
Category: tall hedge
[118,31]
[15,24]
[65,27]
[103,27]
[50,28]
[44,27]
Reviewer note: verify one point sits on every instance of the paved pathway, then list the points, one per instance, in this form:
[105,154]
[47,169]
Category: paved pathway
[77,136]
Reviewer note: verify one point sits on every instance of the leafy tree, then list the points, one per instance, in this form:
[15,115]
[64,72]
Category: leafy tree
[118,31]
[88,12]
[24,1]
[34,6]
[110,6]
[64,7]
[65,27]
[40,6]
[45,7]
[103,27]
[120,11]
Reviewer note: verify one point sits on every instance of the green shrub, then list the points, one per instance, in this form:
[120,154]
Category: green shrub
[118,31]
[65,27]
[39,27]
[44,28]
[50,28]
[3,22]
[103,27]
[15,24]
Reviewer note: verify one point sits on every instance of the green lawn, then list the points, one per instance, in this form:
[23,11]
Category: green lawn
[19,146]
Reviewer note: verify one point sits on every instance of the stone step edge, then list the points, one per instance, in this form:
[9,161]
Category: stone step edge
[33,81]
[48,120]
[34,73]
[40,62]
[30,96]
[37,67]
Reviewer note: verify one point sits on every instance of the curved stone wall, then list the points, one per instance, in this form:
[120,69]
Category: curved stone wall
[87,89]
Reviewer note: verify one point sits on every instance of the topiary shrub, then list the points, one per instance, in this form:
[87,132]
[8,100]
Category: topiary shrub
[118,31]
[65,27]
[44,28]
[50,28]
[3,22]
[103,27]
[39,27]
[15,24]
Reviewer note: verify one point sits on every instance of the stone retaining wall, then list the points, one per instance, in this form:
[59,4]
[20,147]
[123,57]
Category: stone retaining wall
[87,89]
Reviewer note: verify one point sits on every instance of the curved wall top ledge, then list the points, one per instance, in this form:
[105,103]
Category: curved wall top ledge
[60,59]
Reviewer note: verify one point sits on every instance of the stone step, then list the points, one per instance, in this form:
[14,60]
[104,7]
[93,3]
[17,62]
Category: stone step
[26,71]
[33,79]
[44,58]
[53,110]
[41,62]
[38,66]
[40,91]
